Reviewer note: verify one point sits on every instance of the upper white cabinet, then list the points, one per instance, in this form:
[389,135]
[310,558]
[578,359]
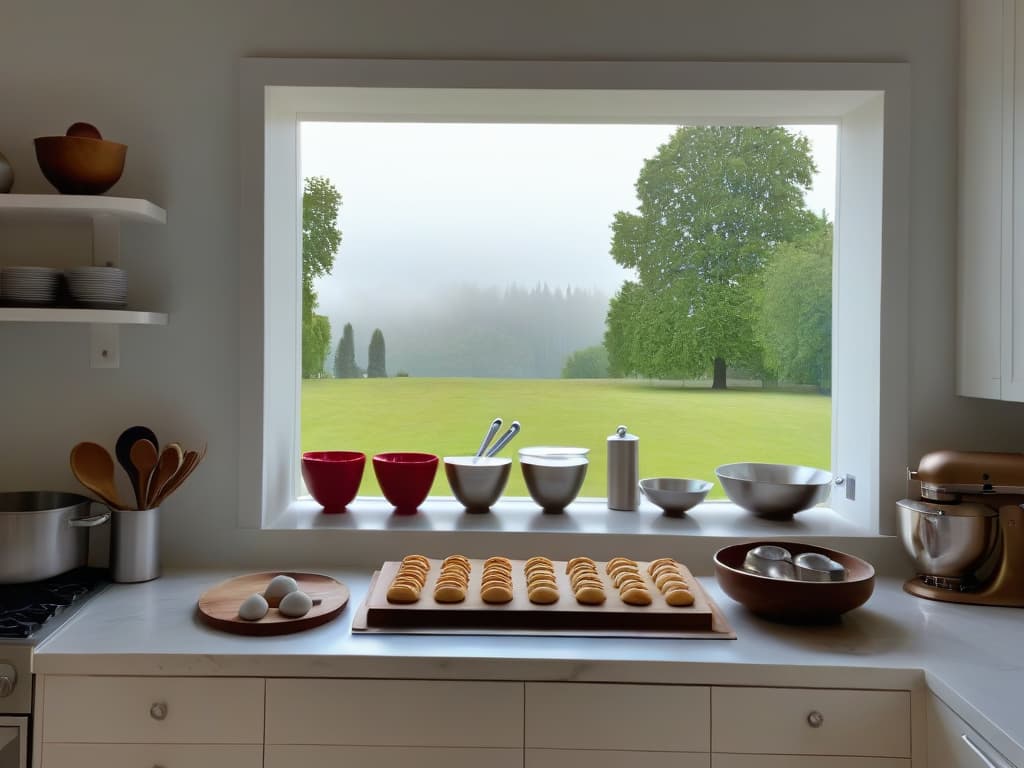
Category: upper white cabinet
[990,247]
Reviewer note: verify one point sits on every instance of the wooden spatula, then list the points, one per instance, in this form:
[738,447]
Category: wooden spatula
[144,459]
[94,468]
[169,463]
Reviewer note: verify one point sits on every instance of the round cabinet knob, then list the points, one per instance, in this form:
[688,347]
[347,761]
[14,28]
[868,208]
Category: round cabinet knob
[815,719]
[8,677]
[158,711]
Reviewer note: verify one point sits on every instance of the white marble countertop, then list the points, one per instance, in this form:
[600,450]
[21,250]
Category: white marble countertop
[968,655]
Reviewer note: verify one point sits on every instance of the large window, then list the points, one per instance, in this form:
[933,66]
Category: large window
[495,265]
[285,105]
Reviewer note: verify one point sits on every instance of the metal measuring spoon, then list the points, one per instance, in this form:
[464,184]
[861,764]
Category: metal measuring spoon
[491,432]
[814,566]
[771,561]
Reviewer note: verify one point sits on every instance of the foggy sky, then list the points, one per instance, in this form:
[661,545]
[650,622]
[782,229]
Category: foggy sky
[426,205]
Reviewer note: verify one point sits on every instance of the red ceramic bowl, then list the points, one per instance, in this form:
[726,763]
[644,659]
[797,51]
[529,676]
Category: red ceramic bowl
[795,602]
[333,477]
[405,478]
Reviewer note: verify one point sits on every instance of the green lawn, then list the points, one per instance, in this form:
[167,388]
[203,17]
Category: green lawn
[683,432]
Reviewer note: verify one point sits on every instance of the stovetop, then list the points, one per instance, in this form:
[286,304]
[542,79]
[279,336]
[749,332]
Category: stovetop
[26,608]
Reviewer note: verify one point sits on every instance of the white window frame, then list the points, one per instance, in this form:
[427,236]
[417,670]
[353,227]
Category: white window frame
[869,102]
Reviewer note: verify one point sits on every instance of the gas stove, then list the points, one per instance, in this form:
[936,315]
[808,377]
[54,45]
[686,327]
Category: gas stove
[29,613]
[26,608]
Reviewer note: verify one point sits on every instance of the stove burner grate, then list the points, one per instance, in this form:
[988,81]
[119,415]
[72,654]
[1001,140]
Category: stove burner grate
[24,608]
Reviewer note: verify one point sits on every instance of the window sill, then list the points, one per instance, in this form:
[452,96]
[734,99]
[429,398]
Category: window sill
[716,519]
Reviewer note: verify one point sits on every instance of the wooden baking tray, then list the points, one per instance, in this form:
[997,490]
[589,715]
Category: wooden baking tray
[521,613]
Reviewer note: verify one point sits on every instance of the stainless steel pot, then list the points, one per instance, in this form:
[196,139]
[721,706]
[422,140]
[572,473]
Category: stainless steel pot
[43,533]
[948,540]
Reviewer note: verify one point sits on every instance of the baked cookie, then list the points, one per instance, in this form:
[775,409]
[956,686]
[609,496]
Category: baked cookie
[496,593]
[678,597]
[636,595]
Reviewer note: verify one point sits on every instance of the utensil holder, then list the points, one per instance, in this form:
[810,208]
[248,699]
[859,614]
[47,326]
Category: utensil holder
[135,545]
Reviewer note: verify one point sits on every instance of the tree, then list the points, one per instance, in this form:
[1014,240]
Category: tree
[794,326]
[316,340]
[320,241]
[375,368]
[588,363]
[714,203]
[345,356]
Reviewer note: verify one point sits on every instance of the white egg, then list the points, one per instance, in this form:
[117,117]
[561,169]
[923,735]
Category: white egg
[295,604]
[278,587]
[253,608]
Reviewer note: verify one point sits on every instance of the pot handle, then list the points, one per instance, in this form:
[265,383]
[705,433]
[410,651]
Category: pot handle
[89,522]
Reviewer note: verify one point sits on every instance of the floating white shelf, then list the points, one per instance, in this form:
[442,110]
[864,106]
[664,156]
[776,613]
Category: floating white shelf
[105,214]
[81,207]
[73,315]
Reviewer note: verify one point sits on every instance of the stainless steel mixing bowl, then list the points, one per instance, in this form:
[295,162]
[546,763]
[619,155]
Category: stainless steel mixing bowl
[477,481]
[553,483]
[949,540]
[776,491]
[675,495]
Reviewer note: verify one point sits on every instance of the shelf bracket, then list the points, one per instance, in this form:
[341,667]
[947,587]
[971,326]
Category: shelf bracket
[106,241]
[105,345]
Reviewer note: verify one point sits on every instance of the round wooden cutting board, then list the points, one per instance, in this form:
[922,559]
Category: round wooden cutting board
[218,606]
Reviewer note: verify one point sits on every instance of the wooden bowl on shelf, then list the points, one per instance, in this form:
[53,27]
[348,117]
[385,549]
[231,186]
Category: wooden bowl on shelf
[80,165]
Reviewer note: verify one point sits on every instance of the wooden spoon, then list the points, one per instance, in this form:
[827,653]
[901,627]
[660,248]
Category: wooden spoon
[94,468]
[170,462]
[144,458]
[188,463]
[123,449]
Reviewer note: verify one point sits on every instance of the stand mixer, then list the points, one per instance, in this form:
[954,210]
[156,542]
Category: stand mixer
[966,532]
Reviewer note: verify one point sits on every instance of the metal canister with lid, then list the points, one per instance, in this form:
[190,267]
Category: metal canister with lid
[623,471]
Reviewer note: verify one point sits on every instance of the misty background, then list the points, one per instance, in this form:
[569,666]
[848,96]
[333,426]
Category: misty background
[482,250]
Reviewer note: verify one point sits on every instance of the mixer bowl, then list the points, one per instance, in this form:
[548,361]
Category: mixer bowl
[949,540]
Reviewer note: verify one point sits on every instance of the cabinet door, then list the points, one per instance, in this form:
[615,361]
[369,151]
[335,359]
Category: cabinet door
[588,758]
[808,721]
[597,716]
[794,761]
[1012,284]
[162,710]
[316,756]
[406,713]
[162,755]
[952,743]
[985,189]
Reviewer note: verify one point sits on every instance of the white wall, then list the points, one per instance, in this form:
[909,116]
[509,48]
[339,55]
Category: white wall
[162,77]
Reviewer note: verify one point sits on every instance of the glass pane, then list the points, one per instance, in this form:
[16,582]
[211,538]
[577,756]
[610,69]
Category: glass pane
[571,277]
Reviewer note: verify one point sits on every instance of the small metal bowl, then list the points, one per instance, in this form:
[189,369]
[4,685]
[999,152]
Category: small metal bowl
[477,481]
[774,491]
[675,495]
[553,483]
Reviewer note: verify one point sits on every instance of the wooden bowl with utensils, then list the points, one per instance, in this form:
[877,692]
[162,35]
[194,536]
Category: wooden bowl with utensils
[790,600]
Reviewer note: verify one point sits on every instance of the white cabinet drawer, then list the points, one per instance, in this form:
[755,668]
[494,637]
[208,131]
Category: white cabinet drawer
[309,756]
[793,761]
[666,718]
[404,713]
[779,721]
[168,710]
[145,755]
[586,758]
[952,743]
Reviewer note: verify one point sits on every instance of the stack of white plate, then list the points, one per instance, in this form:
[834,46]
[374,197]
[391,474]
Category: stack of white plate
[29,285]
[98,286]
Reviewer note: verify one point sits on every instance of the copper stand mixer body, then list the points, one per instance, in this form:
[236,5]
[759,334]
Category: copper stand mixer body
[966,534]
